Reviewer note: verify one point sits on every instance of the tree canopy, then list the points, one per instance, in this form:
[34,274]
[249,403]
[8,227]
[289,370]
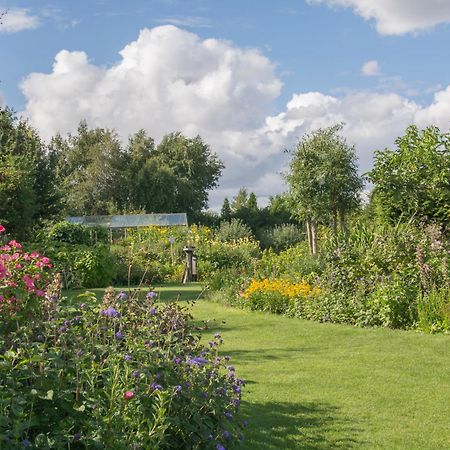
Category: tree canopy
[413,181]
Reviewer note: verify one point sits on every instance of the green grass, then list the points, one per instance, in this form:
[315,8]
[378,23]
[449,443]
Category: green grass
[324,386]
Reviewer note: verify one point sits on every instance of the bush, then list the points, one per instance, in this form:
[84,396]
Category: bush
[84,266]
[72,233]
[434,310]
[126,373]
[282,237]
[234,230]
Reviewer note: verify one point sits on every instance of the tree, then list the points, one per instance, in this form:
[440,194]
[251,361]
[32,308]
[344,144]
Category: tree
[413,181]
[91,166]
[323,180]
[252,203]
[26,170]
[193,166]
[225,212]
[240,200]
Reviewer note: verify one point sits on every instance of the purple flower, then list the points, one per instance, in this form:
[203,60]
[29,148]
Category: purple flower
[119,335]
[236,389]
[151,294]
[135,373]
[228,415]
[152,311]
[245,423]
[220,447]
[226,434]
[198,361]
[63,329]
[26,443]
[236,402]
[230,368]
[122,295]
[177,360]
[156,387]
[127,357]
[110,312]
[178,388]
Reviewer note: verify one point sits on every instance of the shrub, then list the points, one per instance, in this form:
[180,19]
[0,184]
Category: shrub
[23,282]
[234,230]
[126,373]
[282,237]
[73,233]
[434,310]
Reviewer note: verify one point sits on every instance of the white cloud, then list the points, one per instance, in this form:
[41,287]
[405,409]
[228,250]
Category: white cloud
[396,17]
[170,79]
[371,68]
[18,19]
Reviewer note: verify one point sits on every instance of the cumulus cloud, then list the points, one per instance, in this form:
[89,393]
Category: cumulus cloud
[396,17]
[170,79]
[18,19]
[371,68]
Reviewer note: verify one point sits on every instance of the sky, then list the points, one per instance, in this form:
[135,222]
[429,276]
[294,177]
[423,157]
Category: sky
[250,76]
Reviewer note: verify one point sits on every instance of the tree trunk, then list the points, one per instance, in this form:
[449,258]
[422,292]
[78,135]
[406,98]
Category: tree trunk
[309,236]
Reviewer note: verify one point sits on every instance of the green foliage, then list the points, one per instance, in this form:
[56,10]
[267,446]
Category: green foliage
[27,186]
[434,310]
[225,212]
[224,264]
[174,176]
[90,171]
[83,266]
[124,374]
[73,233]
[323,176]
[233,230]
[413,181]
[296,263]
[282,237]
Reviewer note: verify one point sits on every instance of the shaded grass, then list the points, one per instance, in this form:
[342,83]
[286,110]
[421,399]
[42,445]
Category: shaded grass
[323,386]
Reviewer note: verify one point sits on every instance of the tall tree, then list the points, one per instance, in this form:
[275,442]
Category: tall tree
[413,181]
[252,202]
[239,200]
[323,180]
[225,212]
[26,170]
[193,165]
[92,169]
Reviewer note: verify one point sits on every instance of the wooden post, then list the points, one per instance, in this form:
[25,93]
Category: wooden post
[187,277]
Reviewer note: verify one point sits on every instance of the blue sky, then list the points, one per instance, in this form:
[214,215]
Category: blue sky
[252,76]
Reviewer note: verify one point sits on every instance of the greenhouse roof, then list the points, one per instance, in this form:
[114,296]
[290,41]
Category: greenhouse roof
[132,220]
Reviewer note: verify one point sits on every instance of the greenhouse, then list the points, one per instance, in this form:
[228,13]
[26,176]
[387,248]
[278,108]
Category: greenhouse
[132,220]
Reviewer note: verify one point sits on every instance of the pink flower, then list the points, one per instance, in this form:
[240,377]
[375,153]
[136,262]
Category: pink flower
[15,244]
[45,260]
[18,266]
[26,257]
[2,228]
[128,395]
[34,255]
[39,264]
[40,293]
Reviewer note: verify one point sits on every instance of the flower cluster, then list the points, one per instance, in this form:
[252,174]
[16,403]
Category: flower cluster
[281,286]
[23,279]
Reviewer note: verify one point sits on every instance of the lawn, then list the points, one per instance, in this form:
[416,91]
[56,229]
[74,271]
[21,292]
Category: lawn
[323,386]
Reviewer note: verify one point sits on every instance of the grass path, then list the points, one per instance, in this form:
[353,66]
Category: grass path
[322,386]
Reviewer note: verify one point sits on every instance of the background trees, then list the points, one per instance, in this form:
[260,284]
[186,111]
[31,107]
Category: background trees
[323,180]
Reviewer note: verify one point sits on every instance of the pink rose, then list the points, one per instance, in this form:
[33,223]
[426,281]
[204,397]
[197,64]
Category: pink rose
[2,228]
